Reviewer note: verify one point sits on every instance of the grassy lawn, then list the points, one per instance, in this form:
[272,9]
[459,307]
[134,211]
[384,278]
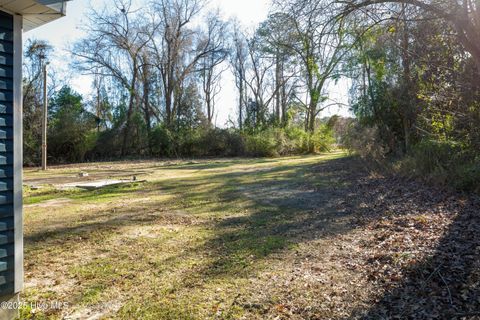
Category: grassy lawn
[313,237]
[209,239]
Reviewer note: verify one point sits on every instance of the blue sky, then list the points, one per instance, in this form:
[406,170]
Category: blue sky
[63,32]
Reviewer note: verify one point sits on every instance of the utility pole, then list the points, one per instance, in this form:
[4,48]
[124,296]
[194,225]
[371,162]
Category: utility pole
[44,118]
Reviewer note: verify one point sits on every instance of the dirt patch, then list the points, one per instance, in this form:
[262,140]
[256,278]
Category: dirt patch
[152,232]
[96,312]
[53,203]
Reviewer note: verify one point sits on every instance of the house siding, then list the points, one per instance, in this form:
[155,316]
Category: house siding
[7,208]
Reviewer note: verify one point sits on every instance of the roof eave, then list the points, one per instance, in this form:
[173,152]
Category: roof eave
[34,13]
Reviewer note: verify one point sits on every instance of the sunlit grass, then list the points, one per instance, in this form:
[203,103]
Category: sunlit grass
[185,244]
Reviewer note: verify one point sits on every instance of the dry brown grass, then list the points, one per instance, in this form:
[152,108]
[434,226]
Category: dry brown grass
[285,238]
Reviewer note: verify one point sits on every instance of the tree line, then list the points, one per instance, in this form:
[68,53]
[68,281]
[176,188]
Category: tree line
[416,91]
[158,70]
[159,67]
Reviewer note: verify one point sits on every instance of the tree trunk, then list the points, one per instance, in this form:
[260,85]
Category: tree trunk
[208,101]
[277,88]
[131,105]
[240,104]
[407,105]
[284,99]
[148,120]
[312,117]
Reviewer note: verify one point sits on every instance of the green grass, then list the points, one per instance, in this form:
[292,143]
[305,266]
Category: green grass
[196,241]
[51,193]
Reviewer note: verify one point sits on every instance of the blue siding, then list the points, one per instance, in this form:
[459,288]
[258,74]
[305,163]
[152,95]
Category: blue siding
[7,251]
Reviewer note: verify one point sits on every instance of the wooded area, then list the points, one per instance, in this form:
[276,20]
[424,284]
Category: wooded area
[159,68]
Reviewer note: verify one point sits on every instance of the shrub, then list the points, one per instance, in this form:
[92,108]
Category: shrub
[365,142]
[215,142]
[444,163]
[296,142]
[322,140]
[289,141]
[162,142]
[108,145]
[468,176]
[439,162]
[222,142]
[435,157]
[262,144]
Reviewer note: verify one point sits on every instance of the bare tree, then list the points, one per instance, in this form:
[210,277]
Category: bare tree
[238,62]
[113,48]
[275,33]
[211,64]
[319,45]
[260,78]
[178,49]
[37,53]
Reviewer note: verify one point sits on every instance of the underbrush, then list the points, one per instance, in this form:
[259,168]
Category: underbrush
[214,142]
[441,163]
[288,141]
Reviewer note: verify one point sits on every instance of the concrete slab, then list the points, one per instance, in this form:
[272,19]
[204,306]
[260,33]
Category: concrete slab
[92,185]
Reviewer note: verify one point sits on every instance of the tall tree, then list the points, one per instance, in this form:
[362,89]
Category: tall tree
[178,49]
[260,80]
[210,65]
[113,48]
[37,54]
[238,62]
[276,36]
[320,45]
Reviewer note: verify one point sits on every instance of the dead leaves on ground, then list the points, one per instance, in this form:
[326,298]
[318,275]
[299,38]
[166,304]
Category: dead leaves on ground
[420,247]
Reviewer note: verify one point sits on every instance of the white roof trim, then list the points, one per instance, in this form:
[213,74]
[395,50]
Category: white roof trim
[35,13]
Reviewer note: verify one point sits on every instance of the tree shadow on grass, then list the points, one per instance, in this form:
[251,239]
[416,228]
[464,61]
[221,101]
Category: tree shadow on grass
[254,214]
[289,205]
[280,207]
[447,284]
[285,204]
[250,214]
